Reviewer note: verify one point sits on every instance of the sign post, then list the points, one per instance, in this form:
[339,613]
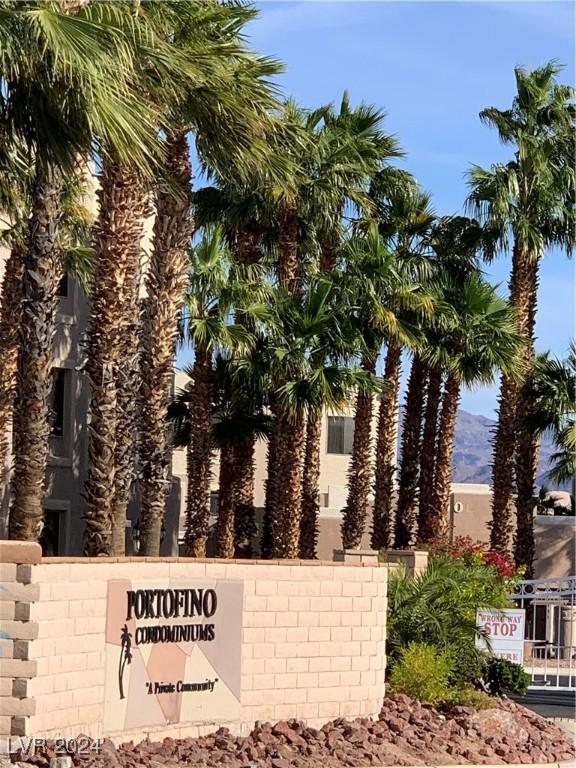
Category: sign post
[505,631]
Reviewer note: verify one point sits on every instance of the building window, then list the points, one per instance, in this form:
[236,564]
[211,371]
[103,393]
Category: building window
[340,434]
[214,503]
[50,536]
[57,402]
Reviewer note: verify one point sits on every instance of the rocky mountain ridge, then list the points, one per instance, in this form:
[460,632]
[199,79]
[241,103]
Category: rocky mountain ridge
[473,451]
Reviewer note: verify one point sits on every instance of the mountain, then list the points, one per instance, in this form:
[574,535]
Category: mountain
[473,450]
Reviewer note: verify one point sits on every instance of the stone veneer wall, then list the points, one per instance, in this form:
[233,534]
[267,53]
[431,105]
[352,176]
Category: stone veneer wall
[17,632]
[313,640]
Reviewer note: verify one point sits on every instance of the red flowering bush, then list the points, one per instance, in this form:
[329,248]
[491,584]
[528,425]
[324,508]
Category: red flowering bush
[478,553]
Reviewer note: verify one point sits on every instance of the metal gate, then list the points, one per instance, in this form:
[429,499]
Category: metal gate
[550,635]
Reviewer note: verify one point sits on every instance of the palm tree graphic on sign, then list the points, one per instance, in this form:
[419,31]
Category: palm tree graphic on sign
[125,656]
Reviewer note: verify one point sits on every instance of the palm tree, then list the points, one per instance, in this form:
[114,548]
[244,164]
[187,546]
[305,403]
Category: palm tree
[82,93]
[123,206]
[75,259]
[450,245]
[307,364]
[14,201]
[410,449]
[225,106]
[111,358]
[237,421]
[454,242]
[331,383]
[378,295]
[349,147]
[428,453]
[553,410]
[481,341]
[10,307]
[529,201]
[215,287]
[261,217]
[404,216]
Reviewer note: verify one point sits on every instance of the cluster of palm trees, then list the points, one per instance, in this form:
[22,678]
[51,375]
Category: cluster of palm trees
[310,263]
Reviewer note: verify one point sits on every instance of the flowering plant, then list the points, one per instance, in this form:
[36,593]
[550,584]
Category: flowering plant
[478,553]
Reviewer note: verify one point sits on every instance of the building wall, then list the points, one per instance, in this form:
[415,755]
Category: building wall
[554,535]
[312,640]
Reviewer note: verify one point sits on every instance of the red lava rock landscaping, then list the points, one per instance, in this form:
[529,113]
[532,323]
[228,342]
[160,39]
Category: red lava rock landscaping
[406,733]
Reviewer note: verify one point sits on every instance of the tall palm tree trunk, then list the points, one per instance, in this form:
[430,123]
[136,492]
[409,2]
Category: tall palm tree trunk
[288,266]
[311,486]
[311,480]
[386,440]
[440,521]
[122,207]
[284,493]
[410,456]
[521,281]
[199,458]
[42,275]
[126,443]
[426,511]
[527,446]
[270,539]
[10,308]
[329,253]
[360,468]
[503,466]
[288,498]
[248,251]
[165,284]
[227,497]
[248,242]
[244,514]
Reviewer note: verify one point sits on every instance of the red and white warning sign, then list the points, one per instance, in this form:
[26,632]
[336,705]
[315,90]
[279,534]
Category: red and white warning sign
[505,629]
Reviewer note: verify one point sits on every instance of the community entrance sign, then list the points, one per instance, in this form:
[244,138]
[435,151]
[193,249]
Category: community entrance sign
[505,630]
[173,653]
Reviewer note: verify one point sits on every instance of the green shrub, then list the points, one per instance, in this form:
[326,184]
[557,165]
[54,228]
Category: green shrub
[470,669]
[422,672]
[466,696]
[504,676]
[438,607]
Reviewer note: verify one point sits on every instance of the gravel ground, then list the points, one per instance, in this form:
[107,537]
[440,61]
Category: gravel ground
[406,733]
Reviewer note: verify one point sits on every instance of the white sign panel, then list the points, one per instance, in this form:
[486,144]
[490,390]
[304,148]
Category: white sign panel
[505,629]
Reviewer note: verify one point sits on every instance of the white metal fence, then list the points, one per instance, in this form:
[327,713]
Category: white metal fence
[550,636]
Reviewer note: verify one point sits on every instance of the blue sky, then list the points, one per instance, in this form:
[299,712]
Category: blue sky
[432,66]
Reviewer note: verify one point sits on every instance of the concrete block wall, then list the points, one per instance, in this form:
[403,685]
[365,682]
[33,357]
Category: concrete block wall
[313,640]
[17,632]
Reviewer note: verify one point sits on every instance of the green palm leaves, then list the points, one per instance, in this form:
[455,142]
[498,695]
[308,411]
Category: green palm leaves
[553,409]
[527,203]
